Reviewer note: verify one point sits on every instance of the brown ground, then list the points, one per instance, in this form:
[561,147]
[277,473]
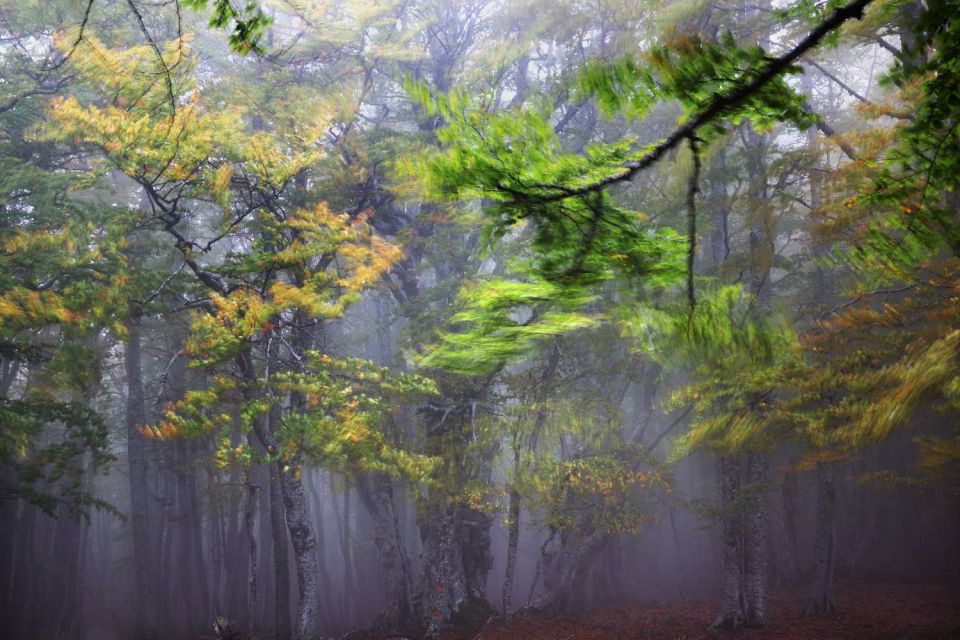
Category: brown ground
[868,611]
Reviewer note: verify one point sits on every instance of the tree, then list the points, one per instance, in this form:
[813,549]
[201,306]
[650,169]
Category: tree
[305,265]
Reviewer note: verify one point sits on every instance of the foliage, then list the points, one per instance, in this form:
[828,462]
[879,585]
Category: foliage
[246,21]
[891,351]
[502,320]
[737,356]
[51,446]
[609,491]
[346,405]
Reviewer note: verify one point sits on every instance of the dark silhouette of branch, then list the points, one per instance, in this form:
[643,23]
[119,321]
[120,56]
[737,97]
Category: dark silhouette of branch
[722,103]
[76,43]
[42,90]
[692,190]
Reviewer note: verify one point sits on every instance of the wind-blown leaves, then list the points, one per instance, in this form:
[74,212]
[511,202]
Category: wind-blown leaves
[737,357]
[502,320]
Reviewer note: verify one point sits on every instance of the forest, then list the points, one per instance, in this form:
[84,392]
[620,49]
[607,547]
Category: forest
[479,319]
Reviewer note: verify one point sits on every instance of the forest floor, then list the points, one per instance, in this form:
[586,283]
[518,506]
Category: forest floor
[868,611]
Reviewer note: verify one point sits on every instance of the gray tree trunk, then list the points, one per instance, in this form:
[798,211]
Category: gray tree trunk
[475,543]
[144,552]
[513,542]
[249,518]
[324,573]
[307,623]
[297,516]
[821,600]
[566,570]
[281,564]
[376,493]
[347,592]
[755,550]
[731,613]
[443,585]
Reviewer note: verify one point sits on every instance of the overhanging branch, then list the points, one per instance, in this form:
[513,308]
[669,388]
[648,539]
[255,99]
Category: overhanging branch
[721,103]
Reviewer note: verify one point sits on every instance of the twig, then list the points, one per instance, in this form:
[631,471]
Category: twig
[715,109]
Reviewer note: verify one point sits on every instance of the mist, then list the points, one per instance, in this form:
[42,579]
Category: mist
[474,319]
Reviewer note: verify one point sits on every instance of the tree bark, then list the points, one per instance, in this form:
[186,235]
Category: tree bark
[314,487]
[443,587]
[821,600]
[376,493]
[147,593]
[346,595]
[297,515]
[307,623]
[513,542]
[249,518]
[755,576]
[281,564]
[731,613]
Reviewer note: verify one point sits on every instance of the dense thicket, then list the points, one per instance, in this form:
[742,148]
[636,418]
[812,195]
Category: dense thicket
[404,315]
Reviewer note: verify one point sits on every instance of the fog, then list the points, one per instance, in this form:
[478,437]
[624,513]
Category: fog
[478,319]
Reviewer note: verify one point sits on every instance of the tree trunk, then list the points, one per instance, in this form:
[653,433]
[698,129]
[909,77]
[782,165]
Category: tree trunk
[567,568]
[376,492]
[280,560]
[475,546]
[323,570]
[266,618]
[346,549]
[788,563]
[513,541]
[443,587]
[731,603]
[820,600]
[236,558]
[307,623]
[681,572]
[249,518]
[719,237]
[147,594]
[297,516]
[755,550]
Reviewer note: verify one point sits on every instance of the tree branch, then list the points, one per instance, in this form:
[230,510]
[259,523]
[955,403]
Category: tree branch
[715,109]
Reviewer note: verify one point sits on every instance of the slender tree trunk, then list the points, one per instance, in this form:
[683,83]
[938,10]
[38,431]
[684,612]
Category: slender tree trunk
[171,609]
[237,569]
[249,519]
[755,575]
[297,515]
[9,535]
[147,592]
[62,604]
[477,558]
[266,614]
[325,583]
[195,535]
[182,584]
[281,562]
[719,237]
[346,548]
[788,555]
[217,550]
[731,604]
[513,542]
[307,624]
[681,572]
[194,583]
[820,600]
